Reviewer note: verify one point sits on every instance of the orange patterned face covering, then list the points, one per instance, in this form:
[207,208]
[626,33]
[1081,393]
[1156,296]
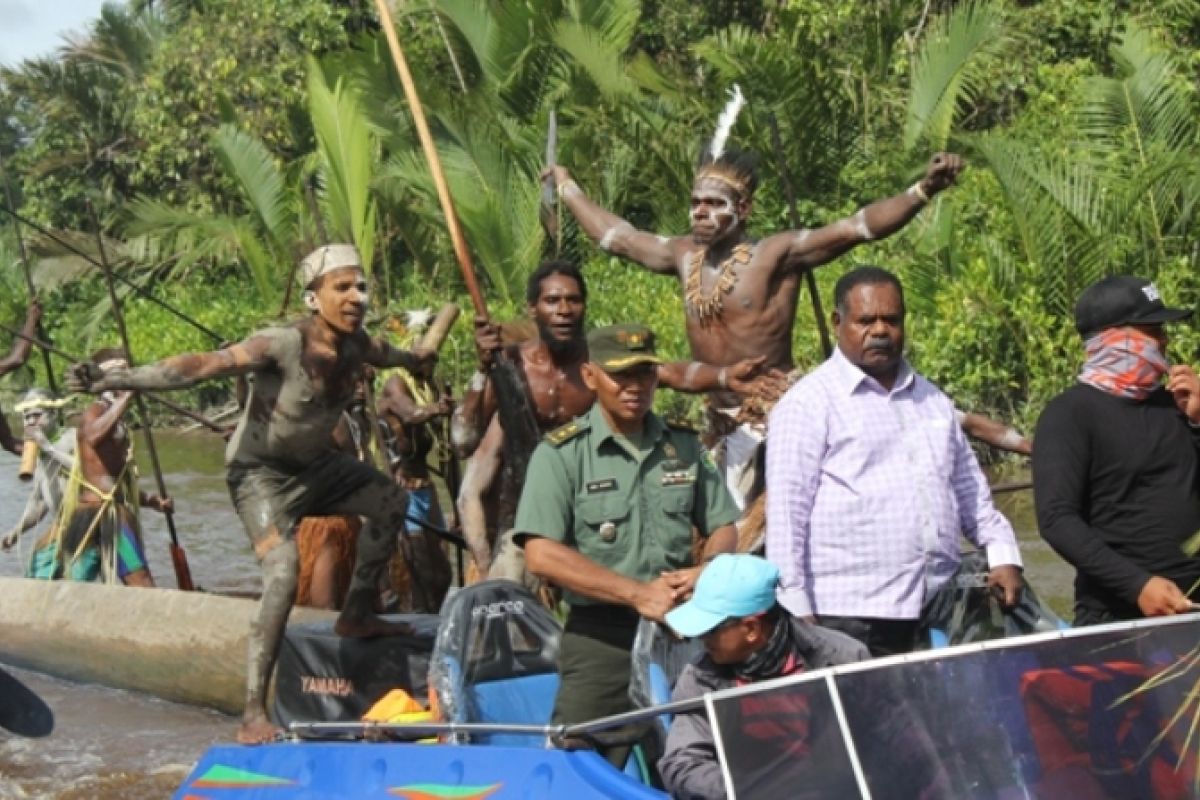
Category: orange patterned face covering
[1124,362]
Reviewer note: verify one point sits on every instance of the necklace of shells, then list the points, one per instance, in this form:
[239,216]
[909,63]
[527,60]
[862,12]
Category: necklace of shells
[708,307]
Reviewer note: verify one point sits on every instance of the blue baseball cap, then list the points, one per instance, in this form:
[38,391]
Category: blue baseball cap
[731,586]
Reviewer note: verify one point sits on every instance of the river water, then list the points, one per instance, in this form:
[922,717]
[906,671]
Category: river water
[109,743]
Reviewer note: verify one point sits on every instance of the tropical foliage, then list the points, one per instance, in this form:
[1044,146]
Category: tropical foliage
[219,140]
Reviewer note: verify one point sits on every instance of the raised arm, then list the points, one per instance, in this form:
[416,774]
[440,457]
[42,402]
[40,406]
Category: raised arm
[179,372]
[614,235]
[812,248]
[478,405]
[22,345]
[96,425]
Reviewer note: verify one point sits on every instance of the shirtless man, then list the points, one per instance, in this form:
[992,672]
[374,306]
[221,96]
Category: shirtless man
[98,533]
[17,356]
[550,365]
[410,405]
[281,461]
[739,294]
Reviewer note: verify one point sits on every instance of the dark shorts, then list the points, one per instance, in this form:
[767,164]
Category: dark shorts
[274,498]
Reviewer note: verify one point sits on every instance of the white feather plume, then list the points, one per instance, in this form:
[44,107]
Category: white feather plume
[725,122]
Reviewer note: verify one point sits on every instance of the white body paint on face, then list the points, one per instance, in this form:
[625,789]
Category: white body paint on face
[714,210]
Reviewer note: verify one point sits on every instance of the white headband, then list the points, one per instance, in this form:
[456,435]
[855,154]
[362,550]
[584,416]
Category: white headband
[326,259]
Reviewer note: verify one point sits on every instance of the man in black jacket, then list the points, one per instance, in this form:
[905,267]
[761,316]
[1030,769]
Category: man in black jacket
[1116,471]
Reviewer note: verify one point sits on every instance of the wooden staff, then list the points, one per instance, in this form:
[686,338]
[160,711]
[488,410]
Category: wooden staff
[431,155]
[183,573]
[27,269]
[516,415]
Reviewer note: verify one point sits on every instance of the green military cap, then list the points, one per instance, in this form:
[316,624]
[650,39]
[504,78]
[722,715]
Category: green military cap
[619,347]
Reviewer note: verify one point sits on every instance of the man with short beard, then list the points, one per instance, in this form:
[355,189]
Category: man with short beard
[871,482]
[550,365]
[739,294]
[281,461]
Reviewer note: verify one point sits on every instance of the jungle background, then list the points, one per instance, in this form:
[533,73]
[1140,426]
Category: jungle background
[217,141]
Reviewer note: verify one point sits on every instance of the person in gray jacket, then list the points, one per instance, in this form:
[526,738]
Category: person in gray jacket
[748,637]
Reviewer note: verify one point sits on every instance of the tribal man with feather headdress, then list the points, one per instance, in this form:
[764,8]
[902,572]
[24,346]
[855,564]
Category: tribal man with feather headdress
[740,294]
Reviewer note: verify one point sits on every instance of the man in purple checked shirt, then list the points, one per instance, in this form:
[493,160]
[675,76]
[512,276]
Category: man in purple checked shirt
[870,482]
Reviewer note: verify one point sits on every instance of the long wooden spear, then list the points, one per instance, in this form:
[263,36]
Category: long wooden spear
[183,573]
[27,269]
[431,155]
[516,416]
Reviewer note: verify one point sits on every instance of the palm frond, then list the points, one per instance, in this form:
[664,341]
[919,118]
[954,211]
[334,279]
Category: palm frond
[347,152]
[258,178]
[945,74]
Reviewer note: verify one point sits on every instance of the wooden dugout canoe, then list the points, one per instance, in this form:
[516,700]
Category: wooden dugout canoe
[188,647]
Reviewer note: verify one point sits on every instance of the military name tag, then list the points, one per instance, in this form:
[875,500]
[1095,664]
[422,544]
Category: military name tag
[606,485]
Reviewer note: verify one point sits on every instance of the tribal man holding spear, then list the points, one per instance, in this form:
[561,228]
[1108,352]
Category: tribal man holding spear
[740,295]
[281,463]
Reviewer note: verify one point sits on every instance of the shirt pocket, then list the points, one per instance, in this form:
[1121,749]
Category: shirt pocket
[602,526]
[676,505]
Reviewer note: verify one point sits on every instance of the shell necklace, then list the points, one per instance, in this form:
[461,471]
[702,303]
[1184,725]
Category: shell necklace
[708,307]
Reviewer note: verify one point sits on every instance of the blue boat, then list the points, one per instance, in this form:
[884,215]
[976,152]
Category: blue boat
[1105,713]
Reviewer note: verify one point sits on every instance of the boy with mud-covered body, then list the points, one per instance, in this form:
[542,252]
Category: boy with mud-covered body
[281,463]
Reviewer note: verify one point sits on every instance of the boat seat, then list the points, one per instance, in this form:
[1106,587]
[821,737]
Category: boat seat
[496,660]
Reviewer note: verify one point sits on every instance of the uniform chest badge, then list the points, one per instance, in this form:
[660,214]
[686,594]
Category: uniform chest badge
[678,477]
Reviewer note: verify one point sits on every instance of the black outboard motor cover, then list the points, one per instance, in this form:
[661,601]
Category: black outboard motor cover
[323,677]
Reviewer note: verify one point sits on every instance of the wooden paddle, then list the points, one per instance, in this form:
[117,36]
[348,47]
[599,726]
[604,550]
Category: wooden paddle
[183,573]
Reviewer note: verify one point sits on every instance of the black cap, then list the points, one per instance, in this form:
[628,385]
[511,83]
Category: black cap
[1122,300]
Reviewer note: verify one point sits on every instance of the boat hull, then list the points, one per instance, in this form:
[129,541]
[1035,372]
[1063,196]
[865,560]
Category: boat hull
[188,647]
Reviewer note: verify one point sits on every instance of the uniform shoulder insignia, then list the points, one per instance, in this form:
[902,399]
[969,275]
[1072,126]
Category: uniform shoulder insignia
[681,424]
[565,433]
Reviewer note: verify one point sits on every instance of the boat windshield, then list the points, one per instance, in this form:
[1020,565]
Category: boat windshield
[1102,713]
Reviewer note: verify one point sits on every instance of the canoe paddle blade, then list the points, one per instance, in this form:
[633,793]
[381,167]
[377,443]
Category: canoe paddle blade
[22,712]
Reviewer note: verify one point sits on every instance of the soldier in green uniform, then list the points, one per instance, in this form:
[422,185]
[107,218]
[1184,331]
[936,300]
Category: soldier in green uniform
[607,513]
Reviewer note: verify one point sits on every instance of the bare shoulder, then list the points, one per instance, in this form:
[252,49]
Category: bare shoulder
[780,248]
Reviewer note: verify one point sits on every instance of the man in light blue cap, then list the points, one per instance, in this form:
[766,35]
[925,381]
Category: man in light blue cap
[748,637]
